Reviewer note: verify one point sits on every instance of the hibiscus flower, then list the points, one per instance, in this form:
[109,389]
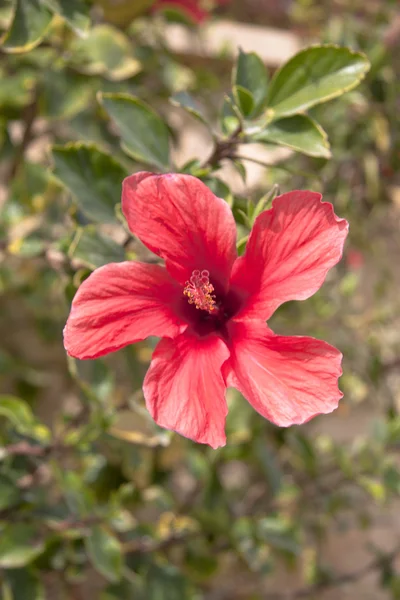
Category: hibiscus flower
[197,10]
[210,306]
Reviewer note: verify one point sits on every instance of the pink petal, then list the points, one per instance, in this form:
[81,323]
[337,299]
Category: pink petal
[119,304]
[291,248]
[184,388]
[181,220]
[288,380]
[196,10]
[190,8]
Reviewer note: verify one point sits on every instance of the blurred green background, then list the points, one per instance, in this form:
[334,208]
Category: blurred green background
[96,501]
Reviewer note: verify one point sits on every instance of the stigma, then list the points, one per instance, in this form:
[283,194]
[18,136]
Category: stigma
[199,291]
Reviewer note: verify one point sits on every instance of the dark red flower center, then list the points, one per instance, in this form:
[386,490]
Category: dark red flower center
[206,306]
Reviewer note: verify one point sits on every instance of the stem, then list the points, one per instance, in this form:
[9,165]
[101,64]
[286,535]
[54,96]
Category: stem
[224,148]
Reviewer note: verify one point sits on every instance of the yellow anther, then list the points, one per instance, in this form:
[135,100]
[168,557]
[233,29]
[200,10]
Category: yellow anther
[199,291]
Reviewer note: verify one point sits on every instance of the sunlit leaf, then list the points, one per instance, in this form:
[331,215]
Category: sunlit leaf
[312,76]
[18,412]
[22,418]
[374,487]
[298,132]
[20,544]
[105,51]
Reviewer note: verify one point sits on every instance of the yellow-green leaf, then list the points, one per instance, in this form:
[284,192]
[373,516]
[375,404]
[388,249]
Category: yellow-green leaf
[74,12]
[106,51]
[30,23]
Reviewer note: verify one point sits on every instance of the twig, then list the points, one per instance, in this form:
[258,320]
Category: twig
[28,121]
[224,148]
[25,449]
[146,546]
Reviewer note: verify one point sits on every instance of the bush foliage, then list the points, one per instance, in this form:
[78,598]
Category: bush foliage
[95,500]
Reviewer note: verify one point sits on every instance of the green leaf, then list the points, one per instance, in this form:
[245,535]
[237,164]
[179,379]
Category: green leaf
[79,497]
[201,565]
[93,177]
[24,584]
[250,75]
[241,245]
[220,189]
[306,452]
[95,249]
[16,90]
[34,182]
[64,94]
[240,168]
[269,465]
[29,25]
[144,134]
[105,553]
[374,487]
[230,116]
[312,76]
[126,590]
[247,544]
[278,534]
[18,412]
[74,12]
[187,102]
[106,51]
[20,544]
[123,12]
[165,582]
[244,100]
[22,418]
[31,245]
[9,493]
[298,132]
